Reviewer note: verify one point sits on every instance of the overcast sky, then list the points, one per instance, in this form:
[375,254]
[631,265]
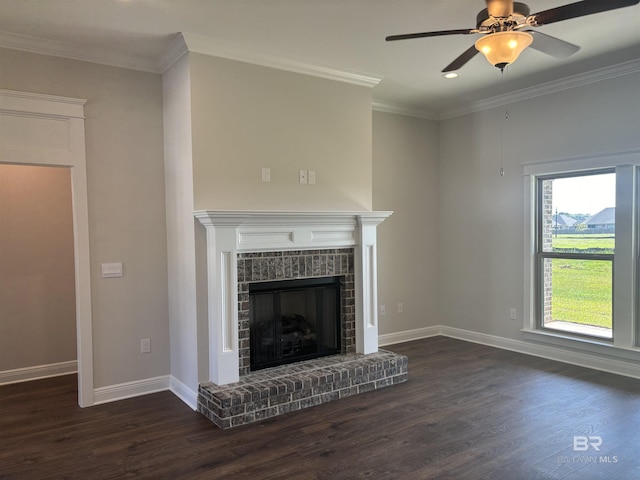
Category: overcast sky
[588,194]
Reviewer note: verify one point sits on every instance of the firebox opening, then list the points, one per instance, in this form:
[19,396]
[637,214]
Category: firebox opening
[293,320]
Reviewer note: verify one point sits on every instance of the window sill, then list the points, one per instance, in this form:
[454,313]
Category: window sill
[581,344]
[581,331]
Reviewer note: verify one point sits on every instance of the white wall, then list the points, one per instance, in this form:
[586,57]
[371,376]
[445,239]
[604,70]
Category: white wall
[405,180]
[125,178]
[480,224]
[246,117]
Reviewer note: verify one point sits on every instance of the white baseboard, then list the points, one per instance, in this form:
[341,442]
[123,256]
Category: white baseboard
[408,335]
[184,393]
[111,393]
[39,371]
[596,362]
[618,366]
[190,397]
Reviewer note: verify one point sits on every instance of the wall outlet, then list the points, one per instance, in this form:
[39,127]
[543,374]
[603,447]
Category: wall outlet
[383,310]
[145,345]
[513,314]
[401,308]
[312,177]
[266,175]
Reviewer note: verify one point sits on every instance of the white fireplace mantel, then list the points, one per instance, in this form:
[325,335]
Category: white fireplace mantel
[231,232]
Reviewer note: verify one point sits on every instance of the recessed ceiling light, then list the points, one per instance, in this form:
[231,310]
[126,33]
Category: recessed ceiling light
[450,75]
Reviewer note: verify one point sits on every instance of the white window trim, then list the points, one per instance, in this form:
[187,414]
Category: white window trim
[626,274]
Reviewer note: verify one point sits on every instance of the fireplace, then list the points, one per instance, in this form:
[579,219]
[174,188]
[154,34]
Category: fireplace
[331,257]
[293,320]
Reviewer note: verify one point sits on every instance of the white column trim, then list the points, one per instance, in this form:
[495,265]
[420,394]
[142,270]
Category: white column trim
[224,360]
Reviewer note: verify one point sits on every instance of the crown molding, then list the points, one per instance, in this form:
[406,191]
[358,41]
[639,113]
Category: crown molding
[388,107]
[216,48]
[41,96]
[74,51]
[182,43]
[177,48]
[555,86]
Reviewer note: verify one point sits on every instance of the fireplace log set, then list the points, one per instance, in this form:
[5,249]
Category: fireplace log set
[294,320]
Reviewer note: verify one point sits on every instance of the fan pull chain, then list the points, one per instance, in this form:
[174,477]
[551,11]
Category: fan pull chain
[502,127]
[506,117]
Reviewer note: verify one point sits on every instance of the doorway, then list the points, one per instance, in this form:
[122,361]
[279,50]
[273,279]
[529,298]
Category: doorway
[43,130]
[37,287]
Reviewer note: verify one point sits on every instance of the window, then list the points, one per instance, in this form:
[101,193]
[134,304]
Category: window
[582,263]
[575,245]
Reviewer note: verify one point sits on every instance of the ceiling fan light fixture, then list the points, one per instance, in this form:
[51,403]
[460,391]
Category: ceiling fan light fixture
[503,48]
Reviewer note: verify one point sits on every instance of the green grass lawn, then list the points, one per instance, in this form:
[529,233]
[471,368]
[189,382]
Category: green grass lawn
[601,243]
[582,292]
[582,289]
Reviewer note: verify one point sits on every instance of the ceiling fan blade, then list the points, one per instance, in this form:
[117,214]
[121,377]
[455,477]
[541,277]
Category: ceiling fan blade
[551,45]
[579,9]
[461,60]
[500,8]
[440,33]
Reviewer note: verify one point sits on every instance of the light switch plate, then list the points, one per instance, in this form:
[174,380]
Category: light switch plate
[111,270]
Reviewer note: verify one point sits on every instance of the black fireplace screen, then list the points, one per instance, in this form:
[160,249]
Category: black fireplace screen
[293,320]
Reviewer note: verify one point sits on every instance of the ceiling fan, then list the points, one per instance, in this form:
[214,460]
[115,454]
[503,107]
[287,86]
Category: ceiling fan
[505,27]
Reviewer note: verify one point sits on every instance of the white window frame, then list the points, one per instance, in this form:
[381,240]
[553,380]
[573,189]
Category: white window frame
[626,273]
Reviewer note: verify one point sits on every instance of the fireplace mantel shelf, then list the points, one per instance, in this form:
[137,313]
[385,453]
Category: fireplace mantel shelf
[269,230]
[260,217]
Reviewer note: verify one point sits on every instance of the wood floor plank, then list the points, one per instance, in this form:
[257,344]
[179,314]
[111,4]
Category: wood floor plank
[467,412]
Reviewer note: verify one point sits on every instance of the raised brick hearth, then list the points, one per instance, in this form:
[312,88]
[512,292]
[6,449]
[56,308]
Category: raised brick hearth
[275,391]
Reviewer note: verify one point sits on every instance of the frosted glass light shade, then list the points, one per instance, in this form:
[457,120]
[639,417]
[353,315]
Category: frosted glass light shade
[502,48]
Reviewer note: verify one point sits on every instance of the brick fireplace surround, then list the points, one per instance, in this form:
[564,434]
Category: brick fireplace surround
[246,247]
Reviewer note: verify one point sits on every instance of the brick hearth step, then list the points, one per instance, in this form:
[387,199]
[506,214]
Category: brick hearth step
[279,390]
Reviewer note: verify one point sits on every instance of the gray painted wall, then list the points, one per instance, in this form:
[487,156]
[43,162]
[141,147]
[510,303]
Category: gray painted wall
[441,178]
[405,180]
[125,179]
[481,230]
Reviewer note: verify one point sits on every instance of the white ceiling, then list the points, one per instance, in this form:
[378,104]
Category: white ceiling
[346,35]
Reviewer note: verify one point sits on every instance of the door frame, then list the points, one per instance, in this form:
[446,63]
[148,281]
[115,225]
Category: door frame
[51,133]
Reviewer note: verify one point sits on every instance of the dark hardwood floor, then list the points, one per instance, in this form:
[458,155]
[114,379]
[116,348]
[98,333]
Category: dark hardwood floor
[467,412]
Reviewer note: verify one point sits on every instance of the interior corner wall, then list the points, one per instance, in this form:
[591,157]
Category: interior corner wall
[37,288]
[405,180]
[181,228]
[481,231]
[246,117]
[125,181]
